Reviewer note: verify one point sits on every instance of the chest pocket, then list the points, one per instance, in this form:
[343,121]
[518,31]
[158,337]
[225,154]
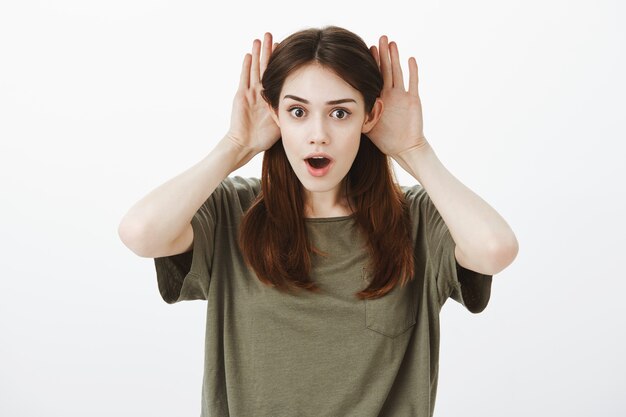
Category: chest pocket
[392,314]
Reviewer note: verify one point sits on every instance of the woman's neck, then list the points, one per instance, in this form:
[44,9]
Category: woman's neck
[319,205]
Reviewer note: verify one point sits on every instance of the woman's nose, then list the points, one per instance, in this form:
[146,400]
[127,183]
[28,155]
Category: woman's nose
[318,134]
[318,140]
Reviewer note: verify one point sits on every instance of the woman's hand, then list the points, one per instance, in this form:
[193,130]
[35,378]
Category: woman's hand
[251,126]
[400,127]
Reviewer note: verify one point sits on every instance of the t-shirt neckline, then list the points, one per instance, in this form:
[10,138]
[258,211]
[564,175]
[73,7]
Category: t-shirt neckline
[329,219]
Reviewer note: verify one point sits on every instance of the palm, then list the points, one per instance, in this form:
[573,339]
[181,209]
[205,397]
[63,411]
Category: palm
[401,118]
[251,123]
[400,126]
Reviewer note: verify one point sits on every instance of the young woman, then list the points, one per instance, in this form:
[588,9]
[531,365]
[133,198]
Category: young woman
[324,278]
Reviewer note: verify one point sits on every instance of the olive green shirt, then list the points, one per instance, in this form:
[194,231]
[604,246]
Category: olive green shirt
[272,354]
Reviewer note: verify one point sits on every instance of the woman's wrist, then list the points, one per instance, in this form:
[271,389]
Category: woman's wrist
[234,152]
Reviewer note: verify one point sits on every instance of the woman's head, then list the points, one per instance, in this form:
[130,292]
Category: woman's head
[306,71]
[321,65]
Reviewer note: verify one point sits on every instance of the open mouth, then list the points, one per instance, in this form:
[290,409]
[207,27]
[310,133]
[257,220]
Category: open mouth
[318,162]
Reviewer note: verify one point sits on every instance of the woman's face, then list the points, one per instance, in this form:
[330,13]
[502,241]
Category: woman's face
[321,118]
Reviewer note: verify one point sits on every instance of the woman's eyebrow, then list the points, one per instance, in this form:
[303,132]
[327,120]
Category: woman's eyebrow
[343,100]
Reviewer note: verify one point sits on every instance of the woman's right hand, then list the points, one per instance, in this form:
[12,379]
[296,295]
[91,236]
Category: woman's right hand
[251,124]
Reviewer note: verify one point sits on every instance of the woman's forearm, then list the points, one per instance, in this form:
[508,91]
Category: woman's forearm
[485,240]
[164,213]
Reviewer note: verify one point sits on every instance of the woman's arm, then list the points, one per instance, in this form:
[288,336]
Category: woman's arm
[484,241]
[160,223]
[153,225]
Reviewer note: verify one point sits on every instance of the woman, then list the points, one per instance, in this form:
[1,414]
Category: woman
[324,278]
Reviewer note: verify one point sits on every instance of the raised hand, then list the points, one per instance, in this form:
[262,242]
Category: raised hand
[400,127]
[251,125]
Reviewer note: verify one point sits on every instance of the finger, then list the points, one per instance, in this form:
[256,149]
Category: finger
[244,79]
[413,78]
[396,68]
[385,65]
[374,52]
[267,51]
[254,71]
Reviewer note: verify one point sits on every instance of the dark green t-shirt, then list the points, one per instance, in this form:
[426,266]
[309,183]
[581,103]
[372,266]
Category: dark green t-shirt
[272,354]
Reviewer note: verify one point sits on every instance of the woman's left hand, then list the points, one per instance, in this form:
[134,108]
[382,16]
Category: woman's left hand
[400,127]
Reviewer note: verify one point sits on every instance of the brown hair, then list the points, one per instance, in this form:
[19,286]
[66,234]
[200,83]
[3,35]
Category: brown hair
[273,235]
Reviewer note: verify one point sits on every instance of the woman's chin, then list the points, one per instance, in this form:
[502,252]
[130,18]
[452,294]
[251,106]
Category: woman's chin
[320,185]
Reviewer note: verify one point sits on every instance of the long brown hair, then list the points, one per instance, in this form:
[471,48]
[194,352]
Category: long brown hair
[273,236]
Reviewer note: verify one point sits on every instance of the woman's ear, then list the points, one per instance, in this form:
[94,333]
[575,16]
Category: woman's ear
[372,118]
[273,114]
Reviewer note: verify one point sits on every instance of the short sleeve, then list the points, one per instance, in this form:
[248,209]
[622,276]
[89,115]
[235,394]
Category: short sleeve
[186,276]
[469,288]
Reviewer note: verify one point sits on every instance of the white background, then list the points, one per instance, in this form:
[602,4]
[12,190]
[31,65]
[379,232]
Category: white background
[102,101]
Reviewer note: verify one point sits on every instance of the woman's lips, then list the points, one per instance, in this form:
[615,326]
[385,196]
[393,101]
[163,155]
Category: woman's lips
[318,172]
[319,155]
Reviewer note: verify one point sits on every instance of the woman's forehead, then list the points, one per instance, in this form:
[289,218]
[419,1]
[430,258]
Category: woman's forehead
[317,85]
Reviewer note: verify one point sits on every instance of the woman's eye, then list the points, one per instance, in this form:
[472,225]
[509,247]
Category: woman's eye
[296,108]
[344,113]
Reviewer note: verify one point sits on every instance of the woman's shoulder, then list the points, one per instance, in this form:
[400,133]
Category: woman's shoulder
[417,201]
[412,192]
[242,183]
[245,189]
